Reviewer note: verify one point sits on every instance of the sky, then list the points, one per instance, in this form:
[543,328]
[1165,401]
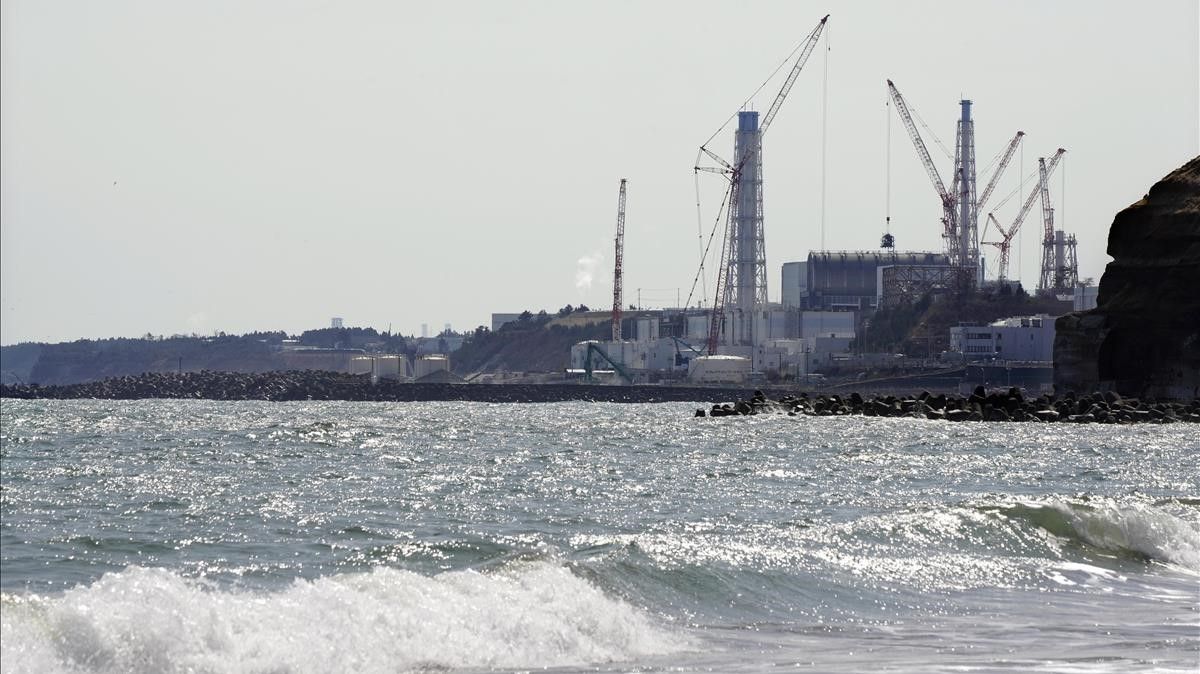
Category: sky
[182,167]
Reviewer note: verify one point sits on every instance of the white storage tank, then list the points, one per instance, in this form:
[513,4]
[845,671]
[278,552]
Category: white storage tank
[579,356]
[718,369]
[389,367]
[361,365]
[429,364]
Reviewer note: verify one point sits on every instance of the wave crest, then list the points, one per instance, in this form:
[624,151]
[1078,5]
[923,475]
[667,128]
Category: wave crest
[1131,529]
[152,620]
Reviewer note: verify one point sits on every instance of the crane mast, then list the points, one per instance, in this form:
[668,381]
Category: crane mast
[949,218]
[618,257]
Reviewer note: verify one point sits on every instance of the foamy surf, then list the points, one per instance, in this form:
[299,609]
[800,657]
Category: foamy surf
[152,620]
[1130,528]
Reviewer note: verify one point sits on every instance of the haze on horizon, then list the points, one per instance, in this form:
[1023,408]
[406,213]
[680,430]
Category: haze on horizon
[227,166]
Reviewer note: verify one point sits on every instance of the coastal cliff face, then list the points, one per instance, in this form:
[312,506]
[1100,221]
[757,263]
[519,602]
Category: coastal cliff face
[1143,337]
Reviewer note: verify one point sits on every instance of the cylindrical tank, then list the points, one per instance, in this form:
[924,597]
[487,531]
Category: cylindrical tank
[388,367]
[579,355]
[361,365]
[428,364]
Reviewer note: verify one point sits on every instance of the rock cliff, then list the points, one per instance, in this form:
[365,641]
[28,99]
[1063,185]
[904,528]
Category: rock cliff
[1143,337]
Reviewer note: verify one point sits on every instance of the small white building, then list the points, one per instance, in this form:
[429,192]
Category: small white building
[1025,338]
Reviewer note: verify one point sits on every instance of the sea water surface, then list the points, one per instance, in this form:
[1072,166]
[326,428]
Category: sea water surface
[198,536]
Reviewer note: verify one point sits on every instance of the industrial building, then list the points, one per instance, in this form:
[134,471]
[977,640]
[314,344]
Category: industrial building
[853,280]
[1026,338]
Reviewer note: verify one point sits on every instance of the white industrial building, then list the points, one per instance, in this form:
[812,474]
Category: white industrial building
[1026,338]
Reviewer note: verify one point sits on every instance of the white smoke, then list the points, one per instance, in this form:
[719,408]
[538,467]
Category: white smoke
[585,270]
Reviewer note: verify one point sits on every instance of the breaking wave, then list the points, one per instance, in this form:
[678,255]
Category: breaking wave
[1134,530]
[152,620]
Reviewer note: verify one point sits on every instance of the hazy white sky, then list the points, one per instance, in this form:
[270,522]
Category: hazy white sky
[191,167]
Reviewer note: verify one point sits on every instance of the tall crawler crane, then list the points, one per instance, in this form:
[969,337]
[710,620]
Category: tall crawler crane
[741,276]
[618,255]
[1060,268]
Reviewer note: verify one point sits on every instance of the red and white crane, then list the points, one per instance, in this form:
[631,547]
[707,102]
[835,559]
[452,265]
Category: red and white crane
[618,256]
[949,215]
[1006,235]
[733,172]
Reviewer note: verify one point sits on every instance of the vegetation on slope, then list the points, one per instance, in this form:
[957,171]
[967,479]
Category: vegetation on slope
[530,344]
[923,328]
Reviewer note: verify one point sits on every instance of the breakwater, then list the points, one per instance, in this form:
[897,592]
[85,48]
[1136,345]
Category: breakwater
[1010,405]
[322,385]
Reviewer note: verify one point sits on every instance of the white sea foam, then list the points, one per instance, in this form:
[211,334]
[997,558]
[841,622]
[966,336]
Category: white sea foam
[152,620]
[1137,528]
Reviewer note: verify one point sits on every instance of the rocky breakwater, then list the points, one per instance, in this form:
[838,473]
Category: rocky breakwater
[1143,337]
[1108,407]
[322,385]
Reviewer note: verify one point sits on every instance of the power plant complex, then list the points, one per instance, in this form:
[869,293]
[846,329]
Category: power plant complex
[825,298]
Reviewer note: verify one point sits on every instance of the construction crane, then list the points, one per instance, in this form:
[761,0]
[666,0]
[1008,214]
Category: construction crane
[1008,155]
[1006,235]
[949,217]
[618,256]
[1060,269]
[733,171]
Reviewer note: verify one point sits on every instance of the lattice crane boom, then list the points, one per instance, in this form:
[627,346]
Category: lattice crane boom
[1044,192]
[948,200]
[1043,176]
[618,256]
[809,44]
[1008,155]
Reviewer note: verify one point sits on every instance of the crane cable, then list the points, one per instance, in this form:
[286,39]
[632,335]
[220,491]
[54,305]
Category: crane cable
[704,255]
[756,92]
[824,129]
[940,144]
[1021,233]
[699,242]
[1062,197]
[887,199]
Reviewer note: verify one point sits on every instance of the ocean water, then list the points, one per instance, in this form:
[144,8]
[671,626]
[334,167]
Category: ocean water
[197,536]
